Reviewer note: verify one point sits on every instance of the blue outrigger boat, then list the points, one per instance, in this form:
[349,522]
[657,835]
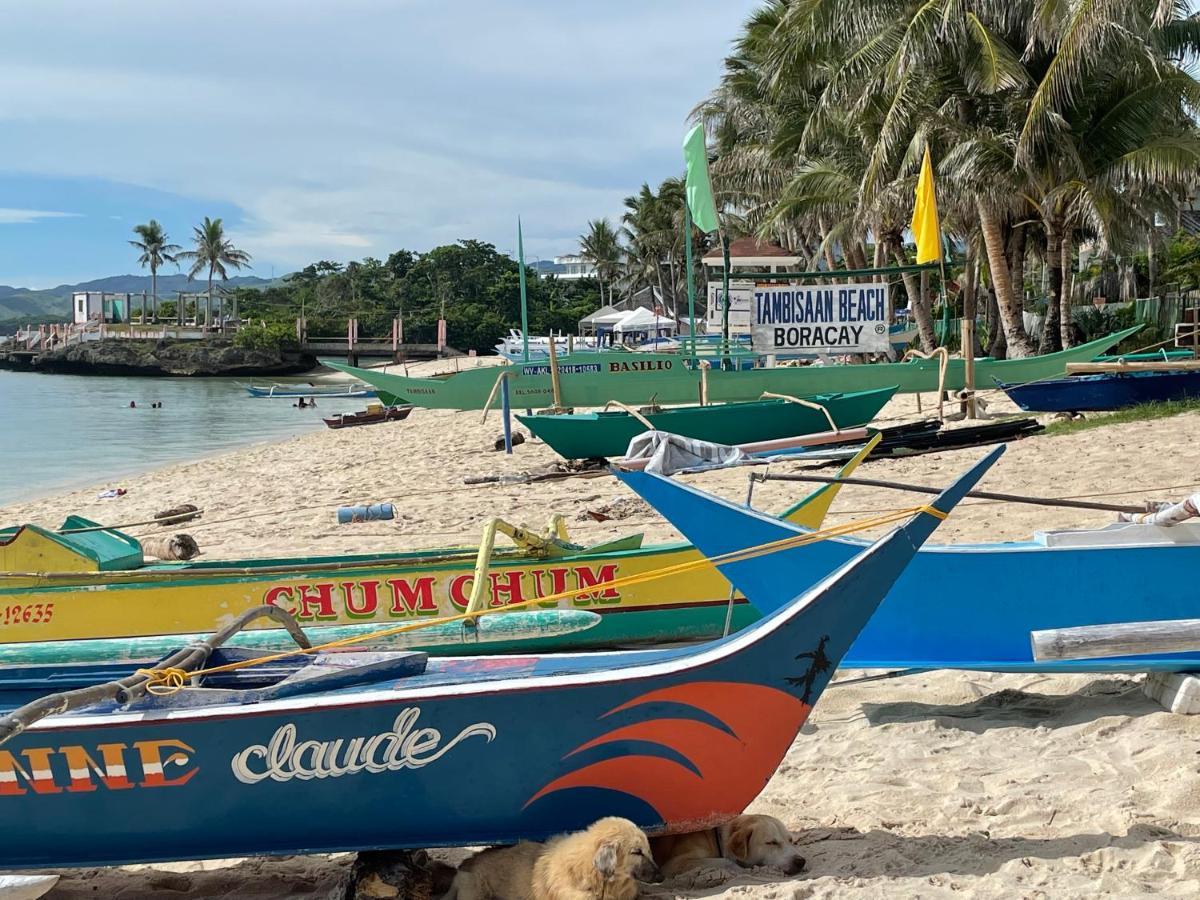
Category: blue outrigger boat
[340,751]
[967,606]
[1104,392]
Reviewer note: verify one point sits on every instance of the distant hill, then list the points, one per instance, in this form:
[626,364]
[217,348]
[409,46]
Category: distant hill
[20,303]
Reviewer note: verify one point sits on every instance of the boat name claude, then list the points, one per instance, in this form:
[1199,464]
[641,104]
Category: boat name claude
[367,598]
[283,757]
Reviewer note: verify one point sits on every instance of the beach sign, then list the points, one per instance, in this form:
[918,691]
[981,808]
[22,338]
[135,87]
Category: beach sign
[834,318]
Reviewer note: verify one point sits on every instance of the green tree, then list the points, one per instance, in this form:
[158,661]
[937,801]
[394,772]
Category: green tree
[601,246]
[214,252]
[155,250]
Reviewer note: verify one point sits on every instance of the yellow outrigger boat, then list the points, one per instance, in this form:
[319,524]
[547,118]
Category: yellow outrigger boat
[90,582]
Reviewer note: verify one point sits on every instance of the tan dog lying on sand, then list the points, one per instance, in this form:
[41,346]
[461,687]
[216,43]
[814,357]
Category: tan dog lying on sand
[604,862]
[747,841]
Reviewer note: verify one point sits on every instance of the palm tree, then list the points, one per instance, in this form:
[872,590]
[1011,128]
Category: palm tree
[155,251]
[214,252]
[602,248]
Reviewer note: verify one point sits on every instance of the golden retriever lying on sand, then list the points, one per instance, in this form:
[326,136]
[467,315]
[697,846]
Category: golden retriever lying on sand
[604,862]
[746,840]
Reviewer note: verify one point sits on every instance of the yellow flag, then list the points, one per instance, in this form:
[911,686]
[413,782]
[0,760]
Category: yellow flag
[927,232]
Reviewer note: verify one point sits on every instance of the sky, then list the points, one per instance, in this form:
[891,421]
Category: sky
[322,130]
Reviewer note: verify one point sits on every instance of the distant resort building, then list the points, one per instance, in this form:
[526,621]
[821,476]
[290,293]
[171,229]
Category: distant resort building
[572,267]
[100,306]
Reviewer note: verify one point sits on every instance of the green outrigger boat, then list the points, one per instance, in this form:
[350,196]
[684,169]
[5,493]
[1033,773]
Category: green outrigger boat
[587,435]
[593,379]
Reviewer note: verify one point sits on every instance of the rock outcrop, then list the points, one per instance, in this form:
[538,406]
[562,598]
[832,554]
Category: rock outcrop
[171,357]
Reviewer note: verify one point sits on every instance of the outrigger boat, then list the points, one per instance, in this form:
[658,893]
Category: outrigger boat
[594,379]
[90,582]
[608,433]
[349,751]
[968,606]
[309,390]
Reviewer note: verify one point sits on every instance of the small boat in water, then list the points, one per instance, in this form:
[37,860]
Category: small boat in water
[352,389]
[607,434]
[1105,391]
[343,751]
[370,416]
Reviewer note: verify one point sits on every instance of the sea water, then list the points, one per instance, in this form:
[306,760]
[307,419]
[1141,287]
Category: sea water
[64,431]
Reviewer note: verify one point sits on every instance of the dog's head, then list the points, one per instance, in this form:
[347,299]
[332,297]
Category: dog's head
[623,852]
[764,841]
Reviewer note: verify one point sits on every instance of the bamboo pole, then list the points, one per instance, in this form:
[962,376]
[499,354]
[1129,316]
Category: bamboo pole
[979,495]
[1123,639]
[554,383]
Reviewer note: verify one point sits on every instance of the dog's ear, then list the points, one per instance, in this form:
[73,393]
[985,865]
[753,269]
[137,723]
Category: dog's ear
[605,859]
[739,842]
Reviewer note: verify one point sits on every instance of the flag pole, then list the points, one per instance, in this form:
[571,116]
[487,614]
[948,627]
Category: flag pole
[691,274]
[524,299]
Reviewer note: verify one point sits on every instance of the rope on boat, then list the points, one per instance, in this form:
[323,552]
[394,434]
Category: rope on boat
[167,680]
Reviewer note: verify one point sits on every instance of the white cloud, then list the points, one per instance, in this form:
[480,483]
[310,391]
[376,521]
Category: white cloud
[363,126]
[10,216]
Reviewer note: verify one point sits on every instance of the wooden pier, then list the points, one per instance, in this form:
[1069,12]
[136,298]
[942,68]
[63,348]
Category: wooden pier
[353,347]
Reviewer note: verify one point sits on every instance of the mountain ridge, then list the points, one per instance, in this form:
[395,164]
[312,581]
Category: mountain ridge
[19,302]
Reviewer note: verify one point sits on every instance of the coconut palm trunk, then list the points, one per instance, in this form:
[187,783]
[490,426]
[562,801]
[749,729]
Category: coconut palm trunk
[916,303]
[1016,339]
[1051,339]
[1066,320]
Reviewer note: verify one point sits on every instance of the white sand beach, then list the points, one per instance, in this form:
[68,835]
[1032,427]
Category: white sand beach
[936,785]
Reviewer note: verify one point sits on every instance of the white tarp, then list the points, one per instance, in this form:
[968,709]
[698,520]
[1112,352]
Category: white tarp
[670,453]
[837,318]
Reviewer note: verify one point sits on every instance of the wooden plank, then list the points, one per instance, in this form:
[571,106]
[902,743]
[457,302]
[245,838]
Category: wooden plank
[1123,639]
[1098,368]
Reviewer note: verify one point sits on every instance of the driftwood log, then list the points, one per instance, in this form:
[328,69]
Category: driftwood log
[178,514]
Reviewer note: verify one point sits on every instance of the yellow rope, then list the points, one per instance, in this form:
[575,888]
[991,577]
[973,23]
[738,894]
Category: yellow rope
[167,681]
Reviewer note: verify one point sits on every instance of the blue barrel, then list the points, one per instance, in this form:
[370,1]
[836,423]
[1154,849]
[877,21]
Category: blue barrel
[372,513]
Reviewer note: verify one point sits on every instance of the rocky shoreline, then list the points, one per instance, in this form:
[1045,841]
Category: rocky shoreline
[162,357]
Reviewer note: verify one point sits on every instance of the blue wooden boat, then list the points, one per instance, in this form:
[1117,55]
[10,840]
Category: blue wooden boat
[968,606]
[346,751]
[1103,392]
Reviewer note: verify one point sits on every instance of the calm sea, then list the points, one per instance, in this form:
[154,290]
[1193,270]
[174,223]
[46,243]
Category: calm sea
[61,431]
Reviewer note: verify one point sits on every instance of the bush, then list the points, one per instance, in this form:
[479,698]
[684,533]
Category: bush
[266,336]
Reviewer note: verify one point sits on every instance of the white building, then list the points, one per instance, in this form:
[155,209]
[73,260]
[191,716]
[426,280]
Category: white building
[100,306]
[573,266]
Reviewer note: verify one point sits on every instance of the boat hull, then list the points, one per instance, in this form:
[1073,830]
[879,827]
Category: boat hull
[593,379]
[969,606]
[466,752]
[1101,393]
[608,433]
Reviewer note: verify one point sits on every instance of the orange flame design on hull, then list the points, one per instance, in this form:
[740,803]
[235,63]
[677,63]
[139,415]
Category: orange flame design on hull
[733,768]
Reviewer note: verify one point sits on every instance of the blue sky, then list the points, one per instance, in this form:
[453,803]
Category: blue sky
[324,130]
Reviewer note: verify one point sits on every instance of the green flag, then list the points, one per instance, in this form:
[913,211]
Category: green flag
[699,188]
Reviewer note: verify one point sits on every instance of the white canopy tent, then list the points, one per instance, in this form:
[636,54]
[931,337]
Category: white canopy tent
[644,320]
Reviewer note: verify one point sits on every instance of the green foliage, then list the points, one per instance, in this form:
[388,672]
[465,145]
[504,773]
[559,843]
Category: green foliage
[266,336]
[1143,413]
[478,287]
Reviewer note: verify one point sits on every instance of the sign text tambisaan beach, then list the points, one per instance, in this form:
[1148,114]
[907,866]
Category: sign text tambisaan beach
[838,318]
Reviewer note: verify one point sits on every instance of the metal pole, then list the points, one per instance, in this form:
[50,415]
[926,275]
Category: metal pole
[725,304]
[524,299]
[506,414]
[691,275]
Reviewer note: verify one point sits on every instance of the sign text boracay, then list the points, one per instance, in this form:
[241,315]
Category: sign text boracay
[837,318]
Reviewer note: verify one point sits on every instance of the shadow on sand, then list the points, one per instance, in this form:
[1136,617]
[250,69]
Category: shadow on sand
[882,854]
[1023,709]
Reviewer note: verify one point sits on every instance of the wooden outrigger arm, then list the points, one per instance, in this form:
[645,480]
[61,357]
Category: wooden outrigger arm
[833,426]
[552,543]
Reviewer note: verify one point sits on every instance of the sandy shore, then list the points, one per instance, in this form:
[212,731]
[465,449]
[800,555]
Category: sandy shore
[939,785]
